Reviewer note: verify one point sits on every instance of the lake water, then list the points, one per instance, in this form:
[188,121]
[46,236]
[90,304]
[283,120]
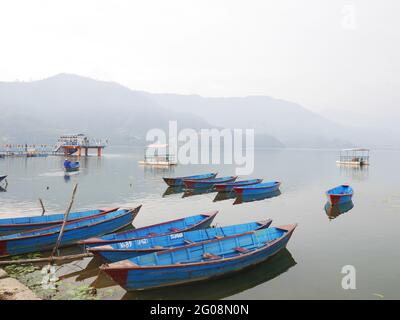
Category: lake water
[365,237]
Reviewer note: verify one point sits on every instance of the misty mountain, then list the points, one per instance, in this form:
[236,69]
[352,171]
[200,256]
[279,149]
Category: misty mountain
[39,111]
[291,123]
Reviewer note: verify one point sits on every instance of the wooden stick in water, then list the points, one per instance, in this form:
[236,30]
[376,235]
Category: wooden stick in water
[42,205]
[65,221]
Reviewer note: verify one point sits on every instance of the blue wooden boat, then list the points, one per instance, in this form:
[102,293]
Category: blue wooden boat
[260,188]
[21,224]
[340,194]
[207,183]
[200,261]
[130,249]
[2,178]
[45,238]
[199,221]
[227,187]
[71,166]
[223,287]
[178,182]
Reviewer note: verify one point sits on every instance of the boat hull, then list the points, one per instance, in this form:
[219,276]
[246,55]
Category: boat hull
[44,239]
[143,278]
[227,187]
[23,224]
[178,182]
[71,166]
[157,163]
[256,190]
[340,195]
[198,184]
[339,199]
[130,249]
[167,228]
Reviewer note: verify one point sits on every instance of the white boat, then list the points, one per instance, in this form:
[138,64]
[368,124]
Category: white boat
[153,157]
[354,157]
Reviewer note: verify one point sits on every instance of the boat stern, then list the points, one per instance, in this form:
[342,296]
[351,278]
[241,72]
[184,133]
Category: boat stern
[264,224]
[220,187]
[172,182]
[119,271]
[289,228]
[3,249]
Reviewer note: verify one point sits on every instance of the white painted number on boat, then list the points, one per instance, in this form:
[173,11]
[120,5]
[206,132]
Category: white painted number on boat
[142,241]
[125,245]
[176,236]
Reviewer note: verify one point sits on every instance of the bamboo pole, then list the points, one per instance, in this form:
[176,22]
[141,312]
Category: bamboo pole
[65,221]
[47,259]
[42,205]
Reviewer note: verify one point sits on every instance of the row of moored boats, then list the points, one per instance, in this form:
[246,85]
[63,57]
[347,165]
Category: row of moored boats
[223,184]
[164,254]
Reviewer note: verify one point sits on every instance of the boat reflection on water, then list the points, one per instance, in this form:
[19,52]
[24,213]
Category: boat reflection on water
[157,171]
[4,184]
[223,287]
[173,190]
[359,173]
[194,192]
[224,196]
[256,197]
[333,211]
[70,175]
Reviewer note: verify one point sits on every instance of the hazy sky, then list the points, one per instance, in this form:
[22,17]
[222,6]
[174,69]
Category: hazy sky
[321,53]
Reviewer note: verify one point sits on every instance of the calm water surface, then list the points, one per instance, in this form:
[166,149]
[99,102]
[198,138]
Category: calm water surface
[366,236]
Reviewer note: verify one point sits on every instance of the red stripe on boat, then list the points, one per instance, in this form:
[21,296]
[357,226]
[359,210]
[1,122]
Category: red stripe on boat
[3,248]
[334,198]
[189,184]
[238,190]
[120,276]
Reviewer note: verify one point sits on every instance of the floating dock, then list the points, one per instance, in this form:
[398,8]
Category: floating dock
[75,143]
[71,144]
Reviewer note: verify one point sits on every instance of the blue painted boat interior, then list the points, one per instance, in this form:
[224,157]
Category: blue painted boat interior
[223,248]
[199,176]
[47,218]
[216,179]
[71,164]
[262,185]
[180,239]
[68,226]
[341,190]
[157,229]
[240,182]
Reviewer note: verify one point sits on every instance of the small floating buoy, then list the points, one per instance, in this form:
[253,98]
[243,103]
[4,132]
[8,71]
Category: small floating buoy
[47,188]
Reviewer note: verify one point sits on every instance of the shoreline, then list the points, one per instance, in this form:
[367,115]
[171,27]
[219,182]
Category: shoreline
[12,289]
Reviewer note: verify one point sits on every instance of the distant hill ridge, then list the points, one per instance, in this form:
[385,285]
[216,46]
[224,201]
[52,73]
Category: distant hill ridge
[39,111]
